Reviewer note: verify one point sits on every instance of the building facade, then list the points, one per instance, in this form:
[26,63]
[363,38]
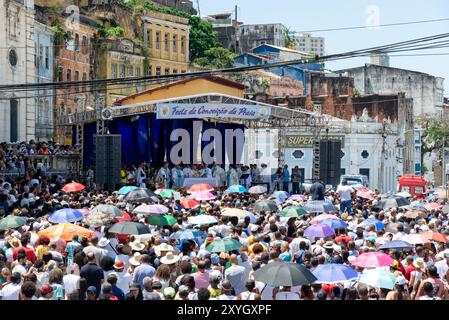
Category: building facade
[44,63]
[253,35]
[18,109]
[380,59]
[305,42]
[167,38]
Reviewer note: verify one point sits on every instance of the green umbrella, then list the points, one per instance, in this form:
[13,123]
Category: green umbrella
[293,211]
[11,222]
[167,193]
[224,245]
[159,220]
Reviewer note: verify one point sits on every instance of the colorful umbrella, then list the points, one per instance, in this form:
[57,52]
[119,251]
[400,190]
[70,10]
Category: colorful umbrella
[323,216]
[200,187]
[224,245]
[396,244]
[371,221]
[412,214]
[319,206]
[287,274]
[128,227]
[233,213]
[334,273]
[148,209]
[99,219]
[334,223]
[378,278]
[265,206]
[259,189]
[432,205]
[202,220]
[364,195]
[236,188]
[280,194]
[319,231]
[293,211]
[73,187]
[434,236]
[361,188]
[124,190]
[187,203]
[65,215]
[125,217]
[12,222]
[159,220]
[157,208]
[188,234]
[202,195]
[167,193]
[372,260]
[65,231]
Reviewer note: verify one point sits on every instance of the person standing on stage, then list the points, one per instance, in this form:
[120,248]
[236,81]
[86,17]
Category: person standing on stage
[177,176]
[164,175]
[219,174]
[207,172]
[296,179]
[186,172]
[285,178]
[265,174]
[232,177]
[317,190]
[140,177]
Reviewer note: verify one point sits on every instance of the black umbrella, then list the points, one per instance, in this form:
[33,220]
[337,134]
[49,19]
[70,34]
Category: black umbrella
[141,195]
[266,206]
[392,202]
[288,274]
[129,227]
[396,244]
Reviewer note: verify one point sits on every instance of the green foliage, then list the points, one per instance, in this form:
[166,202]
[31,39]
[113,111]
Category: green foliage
[111,32]
[435,133]
[265,84]
[290,41]
[61,36]
[217,58]
[356,92]
[202,37]
[137,6]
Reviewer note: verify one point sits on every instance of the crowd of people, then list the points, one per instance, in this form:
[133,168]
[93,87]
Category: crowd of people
[159,266]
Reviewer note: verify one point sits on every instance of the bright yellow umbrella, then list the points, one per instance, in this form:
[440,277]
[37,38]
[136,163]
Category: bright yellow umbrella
[234,213]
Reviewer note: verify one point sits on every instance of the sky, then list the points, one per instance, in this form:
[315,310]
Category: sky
[299,15]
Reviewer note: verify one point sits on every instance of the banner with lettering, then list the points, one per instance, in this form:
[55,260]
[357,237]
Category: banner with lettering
[211,110]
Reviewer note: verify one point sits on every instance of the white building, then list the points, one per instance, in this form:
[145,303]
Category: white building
[18,115]
[380,59]
[361,152]
[307,43]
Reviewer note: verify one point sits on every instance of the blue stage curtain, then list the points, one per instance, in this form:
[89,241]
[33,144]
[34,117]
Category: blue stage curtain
[157,146]
[90,129]
[141,138]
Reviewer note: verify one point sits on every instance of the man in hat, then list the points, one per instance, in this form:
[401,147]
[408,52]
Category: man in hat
[144,270]
[124,279]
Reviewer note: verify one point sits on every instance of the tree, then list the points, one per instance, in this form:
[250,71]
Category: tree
[435,133]
[290,41]
[202,37]
[216,58]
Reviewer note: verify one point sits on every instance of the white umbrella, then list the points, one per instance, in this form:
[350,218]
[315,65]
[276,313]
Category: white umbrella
[202,219]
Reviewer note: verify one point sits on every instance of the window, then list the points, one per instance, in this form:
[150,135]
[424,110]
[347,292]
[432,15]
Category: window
[150,70]
[77,78]
[91,47]
[342,171]
[114,71]
[158,40]
[364,172]
[183,45]
[77,42]
[41,54]
[13,120]
[69,75]
[175,71]
[84,45]
[137,72]
[167,71]
[149,38]
[129,71]
[158,71]
[47,58]
[365,154]
[175,43]
[122,71]
[60,74]
[166,44]
[85,79]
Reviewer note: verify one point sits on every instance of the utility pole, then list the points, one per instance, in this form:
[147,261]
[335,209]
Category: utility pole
[382,157]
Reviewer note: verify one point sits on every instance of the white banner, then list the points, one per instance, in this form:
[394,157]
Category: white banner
[211,110]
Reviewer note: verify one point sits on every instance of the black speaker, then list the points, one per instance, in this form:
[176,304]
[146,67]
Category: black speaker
[108,158]
[330,162]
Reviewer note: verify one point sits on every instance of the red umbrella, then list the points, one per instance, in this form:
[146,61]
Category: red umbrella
[125,217]
[362,189]
[200,187]
[188,203]
[434,236]
[73,187]
[365,195]
[432,205]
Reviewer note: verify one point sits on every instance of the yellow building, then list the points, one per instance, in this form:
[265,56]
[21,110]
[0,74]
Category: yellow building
[167,37]
[188,87]
[118,59]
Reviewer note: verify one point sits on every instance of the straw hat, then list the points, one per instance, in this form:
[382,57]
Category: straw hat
[328,245]
[119,265]
[14,242]
[136,245]
[419,263]
[169,258]
[135,259]
[163,247]
[103,242]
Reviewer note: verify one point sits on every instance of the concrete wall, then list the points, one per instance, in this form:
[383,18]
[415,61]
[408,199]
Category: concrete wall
[250,36]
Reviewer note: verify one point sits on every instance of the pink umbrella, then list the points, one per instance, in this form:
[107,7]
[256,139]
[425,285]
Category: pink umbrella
[362,189]
[365,195]
[202,195]
[323,217]
[149,209]
[432,205]
[372,260]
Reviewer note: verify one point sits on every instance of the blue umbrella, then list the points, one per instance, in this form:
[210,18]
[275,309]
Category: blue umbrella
[66,215]
[280,194]
[333,273]
[236,188]
[124,190]
[334,223]
[371,221]
[188,234]
[396,244]
[378,278]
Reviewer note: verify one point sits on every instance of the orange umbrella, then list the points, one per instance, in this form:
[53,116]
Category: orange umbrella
[73,187]
[200,187]
[65,231]
[189,203]
[435,236]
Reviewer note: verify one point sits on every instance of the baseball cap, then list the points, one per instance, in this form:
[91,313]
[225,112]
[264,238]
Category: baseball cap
[92,289]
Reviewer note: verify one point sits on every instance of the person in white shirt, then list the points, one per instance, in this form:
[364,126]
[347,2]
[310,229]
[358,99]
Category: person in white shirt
[124,279]
[345,192]
[140,175]
[235,274]
[70,282]
[219,174]
[443,267]
[177,176]
[11,291]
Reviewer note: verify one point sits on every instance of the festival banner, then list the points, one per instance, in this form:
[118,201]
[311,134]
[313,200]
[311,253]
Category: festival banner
[211,110]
